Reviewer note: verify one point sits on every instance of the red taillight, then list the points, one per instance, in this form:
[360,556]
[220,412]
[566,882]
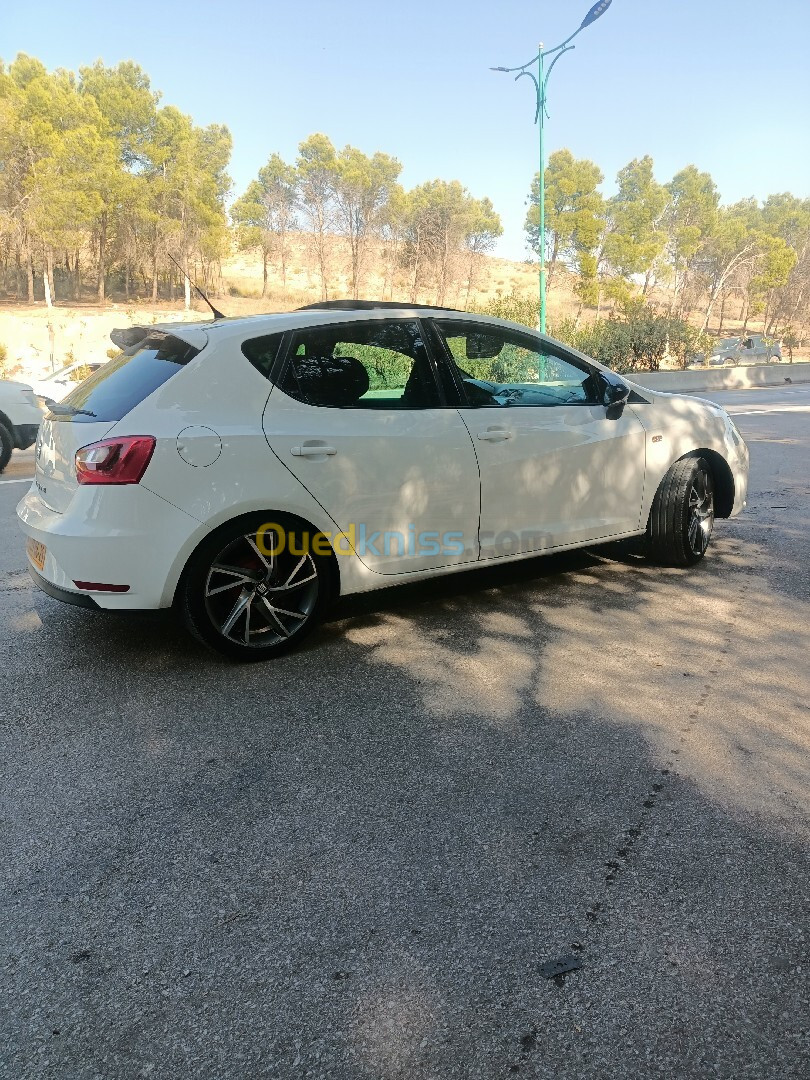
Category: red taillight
[115,461]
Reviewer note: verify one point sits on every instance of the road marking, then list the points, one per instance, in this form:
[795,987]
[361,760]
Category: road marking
[765,410]
[22,480]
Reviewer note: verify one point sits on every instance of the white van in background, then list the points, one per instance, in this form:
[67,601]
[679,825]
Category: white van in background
[57,386]
[20,417]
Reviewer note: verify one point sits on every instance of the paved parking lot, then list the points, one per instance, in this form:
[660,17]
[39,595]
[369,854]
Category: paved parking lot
[352,862]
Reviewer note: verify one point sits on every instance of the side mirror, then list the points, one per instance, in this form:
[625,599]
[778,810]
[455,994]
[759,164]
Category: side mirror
[614,394]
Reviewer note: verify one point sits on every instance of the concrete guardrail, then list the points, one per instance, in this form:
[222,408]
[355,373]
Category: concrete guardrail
[731,378]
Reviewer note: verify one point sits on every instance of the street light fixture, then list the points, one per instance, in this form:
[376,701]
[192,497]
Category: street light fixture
[540,81]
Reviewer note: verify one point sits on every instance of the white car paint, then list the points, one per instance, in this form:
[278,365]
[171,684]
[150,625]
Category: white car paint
[572,476]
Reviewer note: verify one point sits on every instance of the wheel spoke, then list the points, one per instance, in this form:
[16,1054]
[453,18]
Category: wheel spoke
[694,529]
[272,613]
[241,572]
[298,566]
[284,611]
[223,588]
[247,624]
[268,564]
[237,609]
[289,588]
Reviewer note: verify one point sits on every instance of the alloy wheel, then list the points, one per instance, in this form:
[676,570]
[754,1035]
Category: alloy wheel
[257,600]
[701,513]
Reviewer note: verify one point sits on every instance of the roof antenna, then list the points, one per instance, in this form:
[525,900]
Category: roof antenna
[185,273]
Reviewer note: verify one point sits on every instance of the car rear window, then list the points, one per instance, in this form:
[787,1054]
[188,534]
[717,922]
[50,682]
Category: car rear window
[122,383]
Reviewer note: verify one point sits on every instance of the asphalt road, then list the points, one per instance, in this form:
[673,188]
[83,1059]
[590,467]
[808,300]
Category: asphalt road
[353,862]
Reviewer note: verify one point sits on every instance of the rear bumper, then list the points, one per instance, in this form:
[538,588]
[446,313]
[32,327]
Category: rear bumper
[116,536]
[77,599]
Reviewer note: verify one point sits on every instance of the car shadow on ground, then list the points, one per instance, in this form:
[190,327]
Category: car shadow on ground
[353,860]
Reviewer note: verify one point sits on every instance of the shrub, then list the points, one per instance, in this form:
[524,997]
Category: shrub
[637,340]
[3,362]
[514,307]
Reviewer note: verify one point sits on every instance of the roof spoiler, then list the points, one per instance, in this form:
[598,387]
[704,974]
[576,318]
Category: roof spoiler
[129,337]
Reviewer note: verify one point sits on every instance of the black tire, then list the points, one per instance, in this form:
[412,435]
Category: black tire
[6,446]
[682,514]
[230,593]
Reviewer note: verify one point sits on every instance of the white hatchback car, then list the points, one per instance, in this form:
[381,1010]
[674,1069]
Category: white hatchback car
[249,470]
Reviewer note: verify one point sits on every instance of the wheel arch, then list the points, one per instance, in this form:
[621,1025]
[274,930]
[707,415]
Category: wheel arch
[721,475]
[294,520]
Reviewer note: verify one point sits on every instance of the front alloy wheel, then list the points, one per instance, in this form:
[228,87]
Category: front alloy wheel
[682,514]
[249,603]
[701,513]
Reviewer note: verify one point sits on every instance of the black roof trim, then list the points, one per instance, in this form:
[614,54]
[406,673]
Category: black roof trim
[373,305]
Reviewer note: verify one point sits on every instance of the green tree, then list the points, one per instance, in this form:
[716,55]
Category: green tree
[689,221]
[265,215]
[362,188]
[315,169]
[575,212]
[482,229]
[635,237]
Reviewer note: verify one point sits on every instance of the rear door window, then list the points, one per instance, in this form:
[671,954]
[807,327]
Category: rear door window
[377,365]
[126,380]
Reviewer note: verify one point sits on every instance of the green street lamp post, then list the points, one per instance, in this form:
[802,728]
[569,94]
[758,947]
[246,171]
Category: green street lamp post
[540,81]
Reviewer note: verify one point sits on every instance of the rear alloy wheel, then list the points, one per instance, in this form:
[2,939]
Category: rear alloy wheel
[6,446]
[682,514]
[249,604]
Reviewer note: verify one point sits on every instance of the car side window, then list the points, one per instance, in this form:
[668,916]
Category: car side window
[502,367]
[374,365]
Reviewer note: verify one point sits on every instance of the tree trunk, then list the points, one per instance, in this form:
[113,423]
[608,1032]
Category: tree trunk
[722,313]
[49,275]
[264,272]
[102,255]
[552,266]
[154,280]
[283,253]
[29,273]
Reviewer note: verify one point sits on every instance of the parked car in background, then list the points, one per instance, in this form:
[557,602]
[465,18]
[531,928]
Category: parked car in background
[58,385]
[20,417]
[246,471]
[752,349]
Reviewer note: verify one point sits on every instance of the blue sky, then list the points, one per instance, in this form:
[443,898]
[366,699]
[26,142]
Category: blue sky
[720,83]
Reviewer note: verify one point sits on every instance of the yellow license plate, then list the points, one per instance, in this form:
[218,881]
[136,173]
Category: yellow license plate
[36,553]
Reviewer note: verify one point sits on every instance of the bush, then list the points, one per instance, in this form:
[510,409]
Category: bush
[638,340]
[3,362]
[514,307]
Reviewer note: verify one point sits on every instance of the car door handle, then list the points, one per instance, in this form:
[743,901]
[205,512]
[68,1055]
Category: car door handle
[495,435]
[310,450]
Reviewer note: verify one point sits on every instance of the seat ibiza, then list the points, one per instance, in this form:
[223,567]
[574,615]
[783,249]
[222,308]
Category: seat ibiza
[247,471]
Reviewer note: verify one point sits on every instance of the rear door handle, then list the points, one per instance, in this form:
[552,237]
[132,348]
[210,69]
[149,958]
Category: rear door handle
[495,435]
[310,450]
